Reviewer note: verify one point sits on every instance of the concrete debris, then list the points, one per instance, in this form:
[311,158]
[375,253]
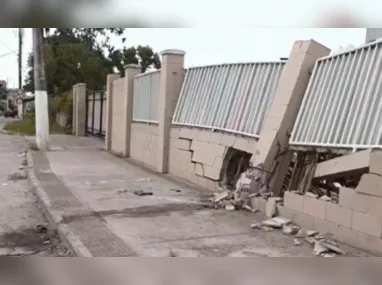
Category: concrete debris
[302,233]
[325,198]
[334,248]
[310,240]
[266,229]
[311,195]
[148,179]
[272,223]
[290,229]
[328,255]
[319,248]
[255,225]
[296,242]
[230,207]
[249,208]
[143,193]
[270,208]
[221,196]
[281,220]
[21,167]
[311,233]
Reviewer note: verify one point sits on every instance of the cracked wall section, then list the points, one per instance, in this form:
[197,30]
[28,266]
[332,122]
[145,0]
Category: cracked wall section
[198,155]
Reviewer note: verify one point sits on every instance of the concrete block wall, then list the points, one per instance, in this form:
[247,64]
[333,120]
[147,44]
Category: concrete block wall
[356,220]
[117,132]
[197,155]
[144,143]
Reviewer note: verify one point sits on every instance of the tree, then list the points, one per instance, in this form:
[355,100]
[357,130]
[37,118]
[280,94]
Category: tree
[71,64]
[141,55]
[85,55]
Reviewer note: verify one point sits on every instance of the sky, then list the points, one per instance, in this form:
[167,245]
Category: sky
[203,46]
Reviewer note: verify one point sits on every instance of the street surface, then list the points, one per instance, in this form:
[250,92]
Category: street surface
[23,228]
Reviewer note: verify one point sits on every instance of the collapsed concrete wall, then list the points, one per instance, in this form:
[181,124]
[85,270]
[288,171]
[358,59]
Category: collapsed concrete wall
[356,219]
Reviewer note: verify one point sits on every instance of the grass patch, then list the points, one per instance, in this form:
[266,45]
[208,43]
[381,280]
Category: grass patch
[27,127]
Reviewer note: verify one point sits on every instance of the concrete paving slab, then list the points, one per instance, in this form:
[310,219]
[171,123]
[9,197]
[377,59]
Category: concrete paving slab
[94,194]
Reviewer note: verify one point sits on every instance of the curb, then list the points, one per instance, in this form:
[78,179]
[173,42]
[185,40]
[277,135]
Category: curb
[55,220]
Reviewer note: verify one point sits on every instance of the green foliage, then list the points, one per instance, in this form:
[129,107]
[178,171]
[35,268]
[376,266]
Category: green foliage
[64,104]
[74,55]
[2,107]
[27,126]
[71,64]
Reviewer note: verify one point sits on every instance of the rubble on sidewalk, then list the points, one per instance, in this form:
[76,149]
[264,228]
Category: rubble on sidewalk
[248,186]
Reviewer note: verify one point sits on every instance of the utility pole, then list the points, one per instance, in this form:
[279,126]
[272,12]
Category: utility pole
[40,93]
[20,58]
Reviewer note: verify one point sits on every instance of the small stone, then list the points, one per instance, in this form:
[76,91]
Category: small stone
[290,229]
[325,198]
[296,242]
[255,225]
[266,229]
[319,248]
[143,193]
[230,207]
[311,195]
[270,208]
[148,179]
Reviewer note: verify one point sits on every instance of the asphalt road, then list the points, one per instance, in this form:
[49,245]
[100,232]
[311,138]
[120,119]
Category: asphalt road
[23,230]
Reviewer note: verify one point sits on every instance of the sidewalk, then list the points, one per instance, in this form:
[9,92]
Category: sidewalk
[88,193]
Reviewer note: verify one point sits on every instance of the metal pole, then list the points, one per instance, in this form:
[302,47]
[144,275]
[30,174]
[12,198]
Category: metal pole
[20,58]
[41,96]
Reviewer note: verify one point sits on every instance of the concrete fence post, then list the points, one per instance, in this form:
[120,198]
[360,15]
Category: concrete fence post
[74,109]
[109,109]
[131,70]
[79,109]
[171,80]
[279,121]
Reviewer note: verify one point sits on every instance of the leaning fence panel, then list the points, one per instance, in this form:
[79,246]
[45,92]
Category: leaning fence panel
[341,106]
[228,97]
[146,95]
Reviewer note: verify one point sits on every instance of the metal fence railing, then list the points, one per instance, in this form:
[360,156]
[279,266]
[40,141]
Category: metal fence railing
[228,97]
[342,104]
[146,95]
[96,113]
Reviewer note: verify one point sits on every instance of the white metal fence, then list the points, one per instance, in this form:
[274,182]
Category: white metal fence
[229,97]
[146,95]
[343,102]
